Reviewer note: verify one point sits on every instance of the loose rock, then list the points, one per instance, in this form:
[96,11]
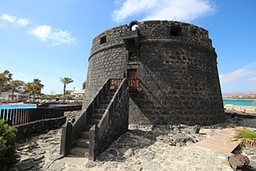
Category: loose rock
[238,161]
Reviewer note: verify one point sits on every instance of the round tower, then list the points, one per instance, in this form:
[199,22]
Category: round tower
[171,67]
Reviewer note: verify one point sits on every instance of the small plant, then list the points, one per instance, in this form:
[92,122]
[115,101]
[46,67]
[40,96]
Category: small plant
[7,150]
[246,136]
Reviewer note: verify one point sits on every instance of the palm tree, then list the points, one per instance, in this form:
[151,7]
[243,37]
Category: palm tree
[14,84]
[65,81]
[5,77]
[34,87]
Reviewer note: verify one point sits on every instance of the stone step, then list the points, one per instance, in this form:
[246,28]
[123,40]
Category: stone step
[108,97]
[103,106]
[81,142]
[85,134]
[100,111]
[81,148]
[106,101]
[79,152]
[88,127]
[94,121]
[111,93]
[98,115]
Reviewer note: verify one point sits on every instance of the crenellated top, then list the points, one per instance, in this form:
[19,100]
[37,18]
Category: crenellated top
[150,31]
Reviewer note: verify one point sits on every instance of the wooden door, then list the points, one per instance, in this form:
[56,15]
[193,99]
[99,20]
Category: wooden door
[133,82]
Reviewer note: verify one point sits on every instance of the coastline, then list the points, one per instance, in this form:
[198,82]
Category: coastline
[230,98]
[240,109]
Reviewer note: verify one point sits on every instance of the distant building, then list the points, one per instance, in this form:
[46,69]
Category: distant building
[7,96]
[77,93]
[249,96]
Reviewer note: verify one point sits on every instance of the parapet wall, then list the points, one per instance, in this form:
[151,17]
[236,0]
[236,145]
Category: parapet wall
[118,125]
[41,126]
[161,30]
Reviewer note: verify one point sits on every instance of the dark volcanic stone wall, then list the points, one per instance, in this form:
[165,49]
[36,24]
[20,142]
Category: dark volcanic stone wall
[177,69]
[107,60]
[117,126]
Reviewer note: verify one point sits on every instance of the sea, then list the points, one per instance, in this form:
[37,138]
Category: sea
[238,102]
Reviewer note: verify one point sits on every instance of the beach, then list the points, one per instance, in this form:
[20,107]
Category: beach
[240,109]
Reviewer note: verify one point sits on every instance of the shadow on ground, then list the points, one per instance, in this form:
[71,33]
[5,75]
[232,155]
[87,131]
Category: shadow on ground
[134,139]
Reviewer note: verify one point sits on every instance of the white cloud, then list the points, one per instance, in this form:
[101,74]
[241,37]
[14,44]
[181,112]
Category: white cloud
[42,32]
[22,22]
[8,18]
[15,21]
[247,73]
[54,36]
[234,76]
[253,79]
[181,10]
[241,80]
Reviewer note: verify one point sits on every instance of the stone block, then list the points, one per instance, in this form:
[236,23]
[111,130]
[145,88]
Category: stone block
[238,161]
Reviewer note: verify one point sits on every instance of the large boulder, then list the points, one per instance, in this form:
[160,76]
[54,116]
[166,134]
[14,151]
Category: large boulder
[238,161]
[181,139]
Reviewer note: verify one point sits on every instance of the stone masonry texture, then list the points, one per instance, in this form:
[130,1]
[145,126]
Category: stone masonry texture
[176,68]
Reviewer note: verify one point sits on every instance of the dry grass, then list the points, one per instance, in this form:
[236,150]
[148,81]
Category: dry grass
[247,137]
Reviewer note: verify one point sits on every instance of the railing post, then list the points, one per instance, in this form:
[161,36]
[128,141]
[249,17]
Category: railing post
[10,113]
[15,116]
[29,114]
[6,111]
[1,111]
[26,112]
[66,139]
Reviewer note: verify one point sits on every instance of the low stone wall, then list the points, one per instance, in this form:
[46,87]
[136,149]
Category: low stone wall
[41,126]
[117,126]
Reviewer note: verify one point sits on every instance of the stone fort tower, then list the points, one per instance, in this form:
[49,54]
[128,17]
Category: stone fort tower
[172,68]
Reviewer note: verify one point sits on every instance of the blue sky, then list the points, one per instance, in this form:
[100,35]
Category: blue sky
[50,39]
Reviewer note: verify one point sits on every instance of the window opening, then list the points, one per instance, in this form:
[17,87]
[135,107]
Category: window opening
[133,56]
[134,27]
[103,39]
[175,31]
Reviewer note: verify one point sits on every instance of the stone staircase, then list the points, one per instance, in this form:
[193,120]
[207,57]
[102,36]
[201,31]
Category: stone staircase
[81,145]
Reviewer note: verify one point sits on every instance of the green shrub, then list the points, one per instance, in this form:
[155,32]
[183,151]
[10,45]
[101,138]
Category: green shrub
[7,150]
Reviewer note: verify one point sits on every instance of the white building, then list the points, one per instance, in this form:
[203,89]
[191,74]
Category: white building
[77,93]
[7,96]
